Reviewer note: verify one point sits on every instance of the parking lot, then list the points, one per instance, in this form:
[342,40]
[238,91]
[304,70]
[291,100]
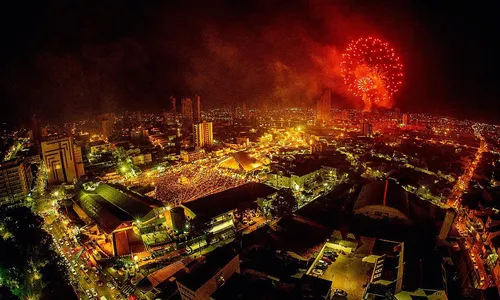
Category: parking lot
[349,272]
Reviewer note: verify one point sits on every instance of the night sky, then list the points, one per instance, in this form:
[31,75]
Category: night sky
[62,59]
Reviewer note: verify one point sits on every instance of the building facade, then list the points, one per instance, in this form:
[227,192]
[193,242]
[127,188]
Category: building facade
[406,119]
[203,134]
[197,109]
[15,181]
[206,279]
[187,109]
[63,160]
[366,129]
[106,128]
[323,107]
[173,104]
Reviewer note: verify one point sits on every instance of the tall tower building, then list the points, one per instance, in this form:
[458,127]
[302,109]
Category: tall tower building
[36,130]
[447,223]
[197,109]
[187,109]
[245,111]
[139,117]
[173,104]
[323,107]
[15,181]
[203,134]
[366,129]
[63,160]
[405,119]
[106,128]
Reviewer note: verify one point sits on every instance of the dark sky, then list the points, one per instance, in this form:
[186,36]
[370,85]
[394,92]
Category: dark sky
[62,59]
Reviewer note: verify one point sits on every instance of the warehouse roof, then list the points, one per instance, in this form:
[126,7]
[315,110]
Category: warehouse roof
[380,193]
[239,197]
[241,160]
[111,205]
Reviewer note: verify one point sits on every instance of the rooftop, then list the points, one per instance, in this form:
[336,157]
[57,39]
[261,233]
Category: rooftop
[385,193]
[208,267]
[11,163]
[241,160]
[111,205]
[239,197]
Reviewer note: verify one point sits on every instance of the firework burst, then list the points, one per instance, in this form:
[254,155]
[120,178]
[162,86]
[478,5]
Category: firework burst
[372,71]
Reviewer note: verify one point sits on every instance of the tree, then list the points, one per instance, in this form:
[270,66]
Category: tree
[283,204]
[28,265]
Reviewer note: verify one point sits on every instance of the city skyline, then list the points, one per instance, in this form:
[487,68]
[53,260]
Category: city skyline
[48,73]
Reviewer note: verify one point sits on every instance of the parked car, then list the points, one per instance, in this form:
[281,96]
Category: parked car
[321,266]
[328,260]
[317,272]
[339,292]
[110,285]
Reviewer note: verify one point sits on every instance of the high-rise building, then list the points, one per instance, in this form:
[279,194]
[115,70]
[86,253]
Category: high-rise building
[447,223]
[109,116]
[323,107]
[203,134]
[139,117]
[187,109]
[106,122]
[173,105]
[15,181]
[366,129]
[197,109]
[245,111]
[36,130]
[106,128]
[406,119]
[63,160]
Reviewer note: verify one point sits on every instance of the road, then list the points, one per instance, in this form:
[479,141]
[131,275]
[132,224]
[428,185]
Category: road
[82,276]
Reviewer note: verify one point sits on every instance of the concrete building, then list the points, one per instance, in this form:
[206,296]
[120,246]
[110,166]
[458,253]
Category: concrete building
[197,109]
[217,209]
[99,147]
[139,134]
[187,110]
[296,178]
[205,277]
[173,104]
[106,122]
[189,156]
[36,131]
[244,111]
[203,134]
[366,129]
[15,181]
[406,119]
[141,159]
[63,160]
[323,107]
[447,223]
[106,128]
